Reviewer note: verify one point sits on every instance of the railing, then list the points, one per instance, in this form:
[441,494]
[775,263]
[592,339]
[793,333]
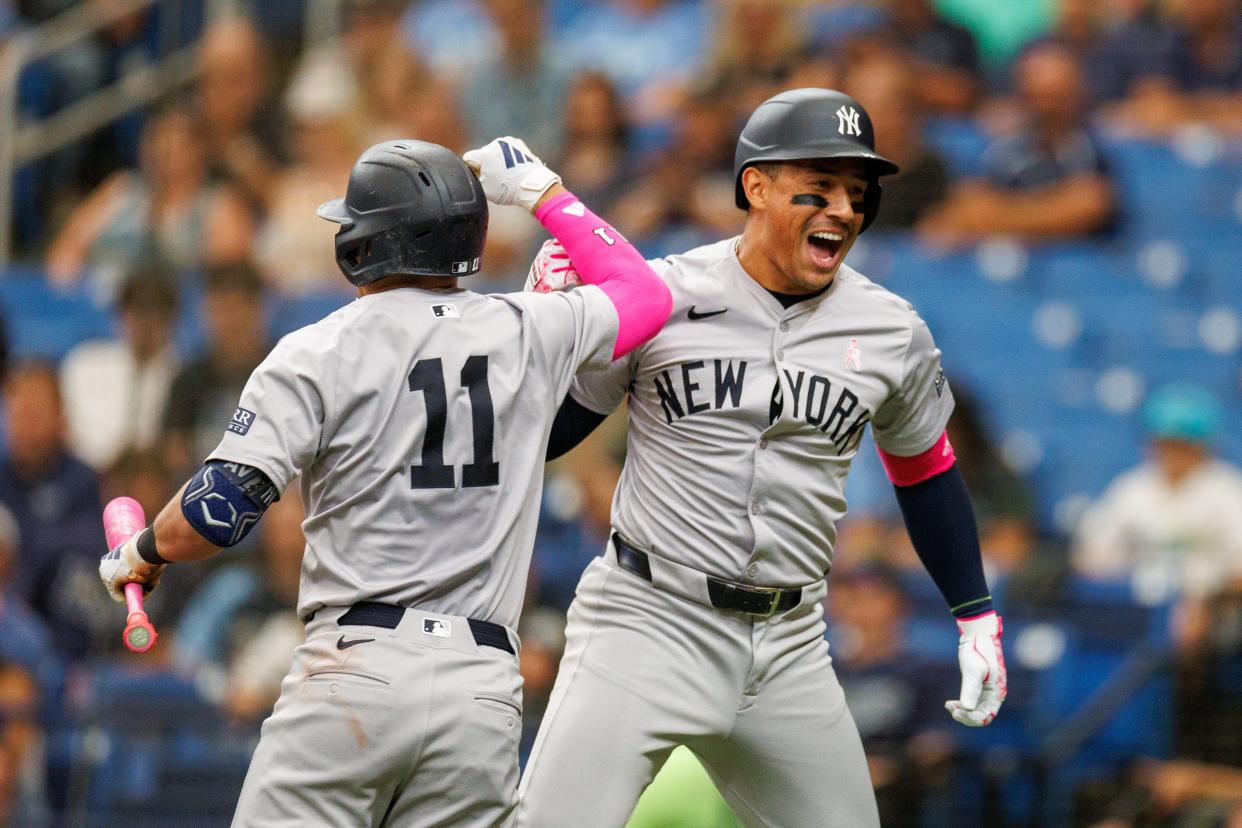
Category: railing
[21,143]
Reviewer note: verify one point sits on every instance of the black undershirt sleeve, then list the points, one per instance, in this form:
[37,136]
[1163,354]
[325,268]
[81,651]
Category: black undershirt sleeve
[572,425]
[941,523]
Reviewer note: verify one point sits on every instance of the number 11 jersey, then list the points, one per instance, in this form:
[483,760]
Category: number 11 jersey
[418,421]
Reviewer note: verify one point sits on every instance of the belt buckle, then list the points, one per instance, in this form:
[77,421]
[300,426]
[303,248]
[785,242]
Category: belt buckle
[774,593]
[772,605]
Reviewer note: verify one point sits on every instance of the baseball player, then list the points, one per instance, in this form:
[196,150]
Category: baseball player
[702,623]
[417,418]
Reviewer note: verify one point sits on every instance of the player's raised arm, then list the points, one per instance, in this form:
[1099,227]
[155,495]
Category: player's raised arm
[511,174]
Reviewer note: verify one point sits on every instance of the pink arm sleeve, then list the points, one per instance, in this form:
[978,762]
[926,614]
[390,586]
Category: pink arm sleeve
[906,471]
[604,258]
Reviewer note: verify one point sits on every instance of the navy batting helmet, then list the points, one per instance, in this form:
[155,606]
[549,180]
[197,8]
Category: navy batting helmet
[802,124]
[412,208]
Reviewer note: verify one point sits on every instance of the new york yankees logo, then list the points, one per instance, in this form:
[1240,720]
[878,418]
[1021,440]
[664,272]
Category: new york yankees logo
[847,121]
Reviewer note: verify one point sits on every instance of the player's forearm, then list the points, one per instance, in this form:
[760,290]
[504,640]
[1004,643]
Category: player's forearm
[176,540]
[940,520]
[603,257]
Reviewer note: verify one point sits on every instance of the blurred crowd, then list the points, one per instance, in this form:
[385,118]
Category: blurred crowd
[203,205]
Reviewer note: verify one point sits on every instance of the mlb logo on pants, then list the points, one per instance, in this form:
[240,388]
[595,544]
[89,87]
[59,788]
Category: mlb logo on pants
[436,627]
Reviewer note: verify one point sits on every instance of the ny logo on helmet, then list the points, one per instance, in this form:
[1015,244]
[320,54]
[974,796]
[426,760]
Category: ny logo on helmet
[847,121]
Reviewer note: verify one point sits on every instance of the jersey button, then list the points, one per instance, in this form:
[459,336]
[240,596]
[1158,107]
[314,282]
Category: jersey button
[754,508]
[780,354]
[784,326]
[763,443]
[752,570]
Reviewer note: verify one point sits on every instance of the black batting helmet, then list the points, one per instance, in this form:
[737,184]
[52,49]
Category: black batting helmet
[412,208]
[801,124]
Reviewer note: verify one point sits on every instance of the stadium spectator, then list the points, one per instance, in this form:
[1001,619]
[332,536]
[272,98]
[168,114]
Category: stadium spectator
[687,190]
[651,49]
[756,45]
[895,695]
[20,737]
[886,83]
[115,390]
[239,118]
[296,255]
[1171,526]
[1194,70]
[205,392]
[55,500]
[594,158]
[165,210]
[435,29]
[1047,180]
[945,56]
[26,641]
[518,89]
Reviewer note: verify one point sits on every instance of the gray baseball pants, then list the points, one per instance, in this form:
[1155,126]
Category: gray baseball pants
[755,698]
[418,727]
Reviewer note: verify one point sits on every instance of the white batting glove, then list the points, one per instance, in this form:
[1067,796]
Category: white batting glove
[124,565]
[510,173]
[984,682]
[551,270]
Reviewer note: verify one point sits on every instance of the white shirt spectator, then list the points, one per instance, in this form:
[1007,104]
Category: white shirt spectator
[1166,538]
[113,402]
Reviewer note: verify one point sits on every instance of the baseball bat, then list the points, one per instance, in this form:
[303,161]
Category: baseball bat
[122,519]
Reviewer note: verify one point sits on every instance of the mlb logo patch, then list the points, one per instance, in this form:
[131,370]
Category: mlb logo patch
[436,627]
[242,420]
[445,312]
[461,267]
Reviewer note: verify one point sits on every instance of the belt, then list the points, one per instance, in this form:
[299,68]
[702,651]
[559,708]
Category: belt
[726,595]
[388,616]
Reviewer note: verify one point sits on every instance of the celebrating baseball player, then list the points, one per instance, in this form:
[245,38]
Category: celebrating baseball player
[702,624]
[417,417]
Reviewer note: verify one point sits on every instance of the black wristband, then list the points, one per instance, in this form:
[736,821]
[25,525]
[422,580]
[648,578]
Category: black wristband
[145,544]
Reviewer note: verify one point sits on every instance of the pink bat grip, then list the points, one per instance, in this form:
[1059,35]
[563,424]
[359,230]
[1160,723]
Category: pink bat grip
[123,518]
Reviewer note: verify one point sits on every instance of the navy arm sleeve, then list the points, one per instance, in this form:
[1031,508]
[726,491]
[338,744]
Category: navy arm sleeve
[941,522]
[573,423]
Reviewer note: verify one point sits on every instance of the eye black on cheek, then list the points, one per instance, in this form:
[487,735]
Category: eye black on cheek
[809,200]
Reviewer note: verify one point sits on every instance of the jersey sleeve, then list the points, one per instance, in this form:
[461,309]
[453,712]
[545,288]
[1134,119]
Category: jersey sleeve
[576,330]
[912,419]
[280,418]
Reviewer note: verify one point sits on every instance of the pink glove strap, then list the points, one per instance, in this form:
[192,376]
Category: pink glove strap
[603,257]
[906,471]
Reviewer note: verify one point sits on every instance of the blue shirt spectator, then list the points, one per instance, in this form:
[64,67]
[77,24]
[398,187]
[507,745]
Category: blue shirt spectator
[645,47]
[437,30]
[55,499]
[519,88]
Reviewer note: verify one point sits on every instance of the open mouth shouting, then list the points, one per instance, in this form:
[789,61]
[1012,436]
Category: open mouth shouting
[825,248]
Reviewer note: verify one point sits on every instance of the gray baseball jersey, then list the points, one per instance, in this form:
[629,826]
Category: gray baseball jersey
[743,419]
[418,421]
[744,415]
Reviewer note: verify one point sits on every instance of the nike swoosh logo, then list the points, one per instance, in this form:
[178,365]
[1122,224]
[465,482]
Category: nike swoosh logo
[342,644]
[695,315]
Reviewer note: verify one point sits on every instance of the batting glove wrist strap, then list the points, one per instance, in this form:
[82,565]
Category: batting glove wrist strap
[982,662]
[510,173]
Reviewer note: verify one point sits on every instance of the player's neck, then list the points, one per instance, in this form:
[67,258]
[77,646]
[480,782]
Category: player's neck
[421,282]
[770,276]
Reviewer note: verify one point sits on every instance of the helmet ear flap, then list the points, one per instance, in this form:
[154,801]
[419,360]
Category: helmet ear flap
[871,202]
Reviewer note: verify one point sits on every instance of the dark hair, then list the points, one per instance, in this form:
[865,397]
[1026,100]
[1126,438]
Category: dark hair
[243,277]
[150,286]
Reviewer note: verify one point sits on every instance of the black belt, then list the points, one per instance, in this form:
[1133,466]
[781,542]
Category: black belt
[388,616]
[727,595]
